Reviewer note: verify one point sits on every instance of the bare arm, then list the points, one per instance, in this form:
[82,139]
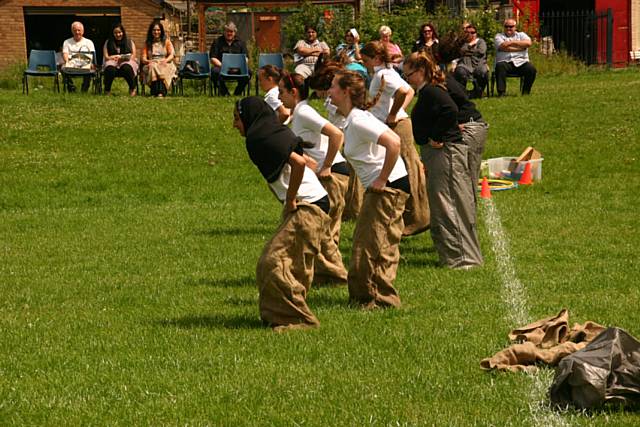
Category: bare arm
[283,113]
[401,99]
[144,58]
[391,142]
[170,53]
[336,137]
[133,50]
[297,163]
[356,49]
[105,52]
[308,51]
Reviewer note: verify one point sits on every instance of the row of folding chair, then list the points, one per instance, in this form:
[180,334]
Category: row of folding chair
[42,63]
[234,68]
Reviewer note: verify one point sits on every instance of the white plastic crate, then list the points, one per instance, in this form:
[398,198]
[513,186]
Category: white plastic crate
[507,168]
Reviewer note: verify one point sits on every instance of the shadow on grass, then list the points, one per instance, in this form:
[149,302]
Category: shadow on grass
[226,282]
[237,231]
[327,300]
[214,321]
[417,261]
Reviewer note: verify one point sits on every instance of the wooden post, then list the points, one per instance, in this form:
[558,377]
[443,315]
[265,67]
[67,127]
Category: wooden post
[202,27]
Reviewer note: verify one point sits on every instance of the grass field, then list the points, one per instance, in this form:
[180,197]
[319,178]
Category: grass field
[130,230]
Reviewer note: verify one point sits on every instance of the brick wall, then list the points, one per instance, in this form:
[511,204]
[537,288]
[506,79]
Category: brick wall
[136,16]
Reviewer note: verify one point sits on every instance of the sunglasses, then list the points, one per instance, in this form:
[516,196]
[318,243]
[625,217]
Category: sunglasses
[471,32]
[428,31]
[509,26]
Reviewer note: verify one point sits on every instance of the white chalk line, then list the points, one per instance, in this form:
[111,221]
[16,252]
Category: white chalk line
[514,296]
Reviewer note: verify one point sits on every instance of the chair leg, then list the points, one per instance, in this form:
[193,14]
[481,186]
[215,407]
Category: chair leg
[493,82]
[25,84]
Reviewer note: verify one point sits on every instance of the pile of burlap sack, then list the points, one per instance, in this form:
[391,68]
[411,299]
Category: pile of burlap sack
[594,365]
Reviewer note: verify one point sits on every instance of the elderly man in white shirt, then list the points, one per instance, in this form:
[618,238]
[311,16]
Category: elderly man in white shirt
[512,57]
[74,45]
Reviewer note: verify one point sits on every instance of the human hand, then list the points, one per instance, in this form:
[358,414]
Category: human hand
[435,144]
[290,205]
[324,172]
[391,120]
[377,186]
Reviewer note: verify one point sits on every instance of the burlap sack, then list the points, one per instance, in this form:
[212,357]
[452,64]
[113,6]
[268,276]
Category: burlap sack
[416,211]
[376,250]
[285,268]
[546,340]
[328,265]
[353,197]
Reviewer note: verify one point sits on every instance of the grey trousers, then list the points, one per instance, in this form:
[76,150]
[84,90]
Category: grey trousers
[474,134]
[452,204]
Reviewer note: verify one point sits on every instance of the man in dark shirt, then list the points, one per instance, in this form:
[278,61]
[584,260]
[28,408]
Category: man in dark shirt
[227,43]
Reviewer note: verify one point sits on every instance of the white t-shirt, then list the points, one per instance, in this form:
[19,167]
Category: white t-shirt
[393,82]
[310,189]
[71,46]
[518,58]
[272,98]
[335,118]
[307,123]
[361,148]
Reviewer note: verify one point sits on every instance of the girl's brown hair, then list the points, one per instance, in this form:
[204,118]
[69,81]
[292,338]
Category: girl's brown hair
[295,81]
[323,76]
[354,83]
[272,71]
[376,49]
[424,61]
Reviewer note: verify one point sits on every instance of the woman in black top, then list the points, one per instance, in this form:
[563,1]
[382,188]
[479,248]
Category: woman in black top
[120,60]
[427,40]
[450,191]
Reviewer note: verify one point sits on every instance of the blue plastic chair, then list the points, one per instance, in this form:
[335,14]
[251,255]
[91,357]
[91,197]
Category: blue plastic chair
[93,73]
[204,74]
[274,59]
[237,61]
[42,63]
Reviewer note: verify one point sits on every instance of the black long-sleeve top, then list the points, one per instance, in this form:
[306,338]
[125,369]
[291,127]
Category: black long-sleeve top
[466,109]
[434,116]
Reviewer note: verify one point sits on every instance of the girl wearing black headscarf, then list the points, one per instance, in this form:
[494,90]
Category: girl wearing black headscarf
[285,268]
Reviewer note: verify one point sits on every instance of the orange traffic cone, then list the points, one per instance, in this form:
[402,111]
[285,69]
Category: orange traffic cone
[526,179]
[485,191]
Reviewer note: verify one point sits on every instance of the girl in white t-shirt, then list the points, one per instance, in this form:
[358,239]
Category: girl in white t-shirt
[320,82]
[268,77]
[391,96]
[374,152]
[323,141]
[285,268]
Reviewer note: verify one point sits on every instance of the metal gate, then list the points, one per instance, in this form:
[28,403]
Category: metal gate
[585,35]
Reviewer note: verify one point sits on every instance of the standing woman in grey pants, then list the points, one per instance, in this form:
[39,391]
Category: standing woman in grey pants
[445,155]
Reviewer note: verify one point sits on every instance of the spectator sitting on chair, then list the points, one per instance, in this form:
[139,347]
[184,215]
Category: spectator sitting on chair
[307,52]
[427,40]
[512,57]
[74,45]
[227,43]
[473,62]
[394,50]
[119,60]
[157,57]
